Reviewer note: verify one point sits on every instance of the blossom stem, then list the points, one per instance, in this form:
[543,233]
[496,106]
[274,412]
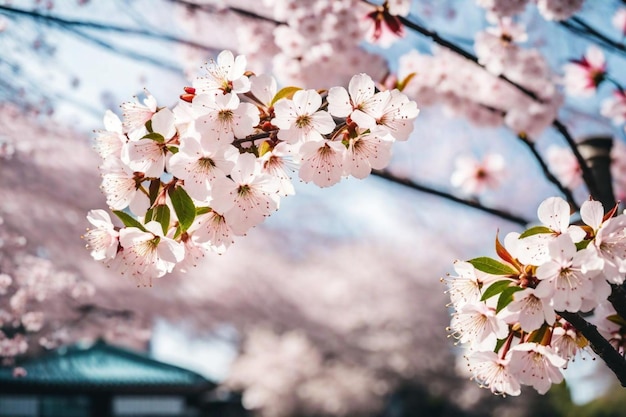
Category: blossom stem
[599,344]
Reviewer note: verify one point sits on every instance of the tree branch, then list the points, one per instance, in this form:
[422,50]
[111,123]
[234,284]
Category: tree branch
[546,171]
[385,174]
[66,23]
[579,27]
[599,345]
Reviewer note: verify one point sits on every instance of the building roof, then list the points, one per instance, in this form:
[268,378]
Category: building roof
[102,367]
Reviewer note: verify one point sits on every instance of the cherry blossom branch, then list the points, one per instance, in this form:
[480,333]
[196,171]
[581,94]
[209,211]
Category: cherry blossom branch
[208,8]
[618,299]
[587,174]
[599,345]
[460,51]
[557,124]
[385,174]
[67,23]
[579,27]
[549,176]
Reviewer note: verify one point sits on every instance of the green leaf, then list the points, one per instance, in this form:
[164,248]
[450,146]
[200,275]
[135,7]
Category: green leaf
[506,297]
[286,92]
[149,214]
[203,210]
[183,206]
[535,231]
[617,319]
[495,288]
[491,266]
[499,344]
[402,84]
[173,149]
[155,186]
[155,137]
[162,215]
[128,220]
[149,125]
[536,336]
[582,244]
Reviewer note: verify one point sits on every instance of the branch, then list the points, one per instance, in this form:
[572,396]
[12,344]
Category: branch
[210,9]
[546,171]
[599,345]
[561,128]
[579,27]
[385,174]
[587,175]
[66,23]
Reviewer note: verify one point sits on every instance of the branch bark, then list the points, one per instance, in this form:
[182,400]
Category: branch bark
[599,345]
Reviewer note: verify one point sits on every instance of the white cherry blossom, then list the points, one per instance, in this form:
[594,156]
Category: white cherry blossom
[199,163]
[492,372]
[249,197]
[478,325]
[370,149]
[104,239]
[227,75]
[136,113]
[149,254]
[567,278]
[530,311]
[300,119]
[536,365]
[322,162]
[224,117]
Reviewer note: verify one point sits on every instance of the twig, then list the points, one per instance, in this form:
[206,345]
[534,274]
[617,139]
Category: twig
[385,174]
[546,171]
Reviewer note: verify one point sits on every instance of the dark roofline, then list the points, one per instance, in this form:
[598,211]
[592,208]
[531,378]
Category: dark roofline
[10,384]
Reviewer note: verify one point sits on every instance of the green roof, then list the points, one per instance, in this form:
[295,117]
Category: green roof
[102,367]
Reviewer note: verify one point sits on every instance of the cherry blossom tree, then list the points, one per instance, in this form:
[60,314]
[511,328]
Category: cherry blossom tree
[325,91]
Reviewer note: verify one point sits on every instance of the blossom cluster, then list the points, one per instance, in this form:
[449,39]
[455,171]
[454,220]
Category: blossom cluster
[27,285]
[185,181]
[451,81]
[508,312]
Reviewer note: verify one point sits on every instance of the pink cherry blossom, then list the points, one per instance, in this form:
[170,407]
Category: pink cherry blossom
[475,177]
[478,325]
[104,239]
[300,119]
[224,76]
[536,365]
[559,9]
[465,287]
[492,372]
[322,162]
[150,254]
[614,107]
[564,165]
[249,197]
[503,7]
[619,20]
[583,76]
[567,278]
[224,117]
[199,163]
[136,114]
[368,150]
[530,311]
